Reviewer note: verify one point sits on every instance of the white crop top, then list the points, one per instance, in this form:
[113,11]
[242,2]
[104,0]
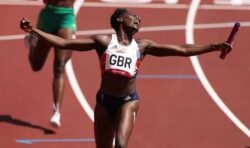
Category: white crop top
[120,59]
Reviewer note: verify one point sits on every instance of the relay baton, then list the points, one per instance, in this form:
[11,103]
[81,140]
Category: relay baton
[230,39]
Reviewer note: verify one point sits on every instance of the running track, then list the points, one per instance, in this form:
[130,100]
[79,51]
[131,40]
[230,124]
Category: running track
[176,110]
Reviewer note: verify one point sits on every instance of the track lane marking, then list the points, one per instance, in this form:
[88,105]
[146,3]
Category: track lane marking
[143,29]
[32,141]
[150,5]
[190,21]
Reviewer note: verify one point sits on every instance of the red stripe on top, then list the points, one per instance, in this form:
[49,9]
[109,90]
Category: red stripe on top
[138,63]
[119,72]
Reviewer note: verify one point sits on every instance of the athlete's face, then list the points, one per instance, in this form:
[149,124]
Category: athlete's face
[132,20]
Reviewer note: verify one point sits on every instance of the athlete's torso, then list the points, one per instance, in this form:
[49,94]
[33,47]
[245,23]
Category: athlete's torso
[122,60]
[119,65]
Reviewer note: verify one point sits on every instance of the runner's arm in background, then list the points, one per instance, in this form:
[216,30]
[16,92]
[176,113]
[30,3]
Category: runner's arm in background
[58,42]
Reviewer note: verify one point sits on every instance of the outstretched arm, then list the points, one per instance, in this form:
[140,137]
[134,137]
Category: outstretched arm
[183,50]
[56,41]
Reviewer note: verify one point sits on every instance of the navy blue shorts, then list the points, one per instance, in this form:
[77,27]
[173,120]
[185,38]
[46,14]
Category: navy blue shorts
[112,104]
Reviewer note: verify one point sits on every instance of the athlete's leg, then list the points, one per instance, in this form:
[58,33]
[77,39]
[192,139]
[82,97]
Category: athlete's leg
[125,122]
[60,59]
[38,53]
[38,49]
[104,127]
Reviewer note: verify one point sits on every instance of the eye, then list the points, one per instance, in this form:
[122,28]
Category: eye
[137,17]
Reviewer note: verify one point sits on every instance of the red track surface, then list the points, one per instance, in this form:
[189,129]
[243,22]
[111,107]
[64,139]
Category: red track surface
[174,113]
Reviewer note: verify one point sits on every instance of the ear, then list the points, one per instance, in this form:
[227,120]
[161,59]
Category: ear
[119,19]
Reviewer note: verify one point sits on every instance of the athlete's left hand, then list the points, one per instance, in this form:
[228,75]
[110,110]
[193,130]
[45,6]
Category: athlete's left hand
[224,47]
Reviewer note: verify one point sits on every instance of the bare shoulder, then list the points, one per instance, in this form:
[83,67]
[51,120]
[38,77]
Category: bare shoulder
[102,39]
[143,44]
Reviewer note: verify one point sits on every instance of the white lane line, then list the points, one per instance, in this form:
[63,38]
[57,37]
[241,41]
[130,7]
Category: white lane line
[201,75]
[150,6]
[77,90]
[72,77]
[143,29]
[12,37]
[232,2]
[127,1]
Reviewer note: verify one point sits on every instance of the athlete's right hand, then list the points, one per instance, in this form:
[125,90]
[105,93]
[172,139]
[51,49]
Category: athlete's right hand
[25,25]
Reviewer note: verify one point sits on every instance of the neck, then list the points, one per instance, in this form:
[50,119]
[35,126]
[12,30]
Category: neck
[123,37]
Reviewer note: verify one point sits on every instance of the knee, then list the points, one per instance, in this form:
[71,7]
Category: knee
[120,143]
[36,68]
[59,69]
